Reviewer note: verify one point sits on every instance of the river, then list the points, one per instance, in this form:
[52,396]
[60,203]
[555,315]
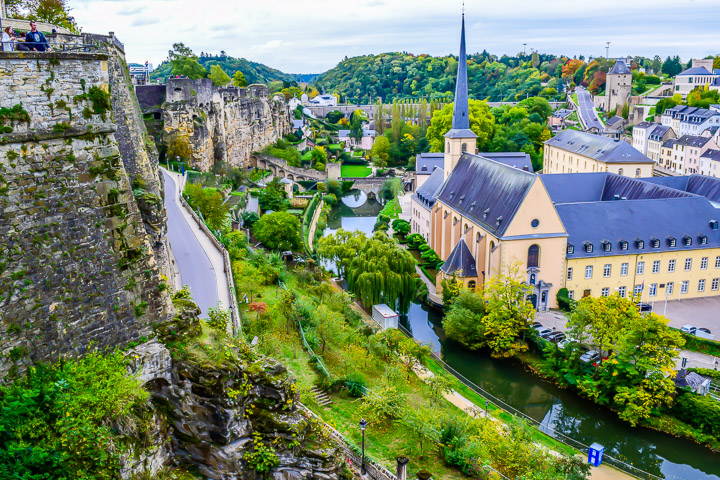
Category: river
[561,410]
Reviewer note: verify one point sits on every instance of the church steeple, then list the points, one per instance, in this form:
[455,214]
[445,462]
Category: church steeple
[460,139]
[461,109]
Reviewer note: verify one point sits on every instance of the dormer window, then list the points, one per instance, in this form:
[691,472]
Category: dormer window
[606,246]
[472,205]
[485,213]
[640,244]
[588,247]
[714,224]
[672,242]
[687,241]
[462,198]
[570,249]
[498,221]
[623,245]
[655,243]
[702,239]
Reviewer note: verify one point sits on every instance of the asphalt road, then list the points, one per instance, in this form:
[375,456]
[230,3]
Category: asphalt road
[195,267]
[587,110]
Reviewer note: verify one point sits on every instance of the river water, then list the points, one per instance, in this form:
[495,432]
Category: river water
[561,410]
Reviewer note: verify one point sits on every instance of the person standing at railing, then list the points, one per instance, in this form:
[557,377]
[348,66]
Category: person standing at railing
[8,40]
[35,39]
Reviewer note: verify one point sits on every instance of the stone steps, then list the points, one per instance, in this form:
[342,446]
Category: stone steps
[321,397]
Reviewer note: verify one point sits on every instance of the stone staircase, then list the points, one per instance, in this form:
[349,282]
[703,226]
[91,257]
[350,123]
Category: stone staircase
[321,397]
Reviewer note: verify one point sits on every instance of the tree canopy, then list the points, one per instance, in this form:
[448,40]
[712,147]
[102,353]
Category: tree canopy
[278,231]
[481,123]
[218,76]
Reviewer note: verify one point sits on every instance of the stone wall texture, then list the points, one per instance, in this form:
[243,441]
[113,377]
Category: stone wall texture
[76,264]
[223,125]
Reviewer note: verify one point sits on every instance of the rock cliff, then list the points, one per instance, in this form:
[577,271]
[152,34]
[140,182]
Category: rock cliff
[76,264]
[212,125]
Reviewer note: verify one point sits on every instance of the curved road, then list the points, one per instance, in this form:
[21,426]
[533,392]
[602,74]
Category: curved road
[199,262]
[586,110]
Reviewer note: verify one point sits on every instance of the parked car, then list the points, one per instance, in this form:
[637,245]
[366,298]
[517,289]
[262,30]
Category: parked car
[706,330]
[536,324]
[644,307]
[590,356]
[691,329]
[704,333]
[556,337]
[544,332]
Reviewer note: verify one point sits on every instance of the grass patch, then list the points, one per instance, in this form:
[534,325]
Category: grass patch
[392,208]
[355,171]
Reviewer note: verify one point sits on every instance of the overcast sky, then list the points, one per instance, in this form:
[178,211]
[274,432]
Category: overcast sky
[311,36]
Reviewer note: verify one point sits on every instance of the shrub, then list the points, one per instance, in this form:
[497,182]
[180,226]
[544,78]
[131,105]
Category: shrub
[424,248]
[414,240]
[564,301]
[249,219]
[701,412]
[401,226]
[330,199]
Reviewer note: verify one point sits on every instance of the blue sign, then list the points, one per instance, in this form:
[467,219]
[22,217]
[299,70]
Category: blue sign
[595,454]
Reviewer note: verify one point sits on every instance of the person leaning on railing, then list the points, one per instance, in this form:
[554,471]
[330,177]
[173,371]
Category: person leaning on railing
[9,37]
[35,39]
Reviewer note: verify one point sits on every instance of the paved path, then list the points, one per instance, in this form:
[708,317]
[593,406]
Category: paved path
[558,321]
[198,260]
[586,110]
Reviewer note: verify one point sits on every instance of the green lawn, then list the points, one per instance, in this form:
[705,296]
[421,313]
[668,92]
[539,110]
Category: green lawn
[574,97]
[355,171]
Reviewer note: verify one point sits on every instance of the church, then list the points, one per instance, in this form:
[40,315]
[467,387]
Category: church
[592,233]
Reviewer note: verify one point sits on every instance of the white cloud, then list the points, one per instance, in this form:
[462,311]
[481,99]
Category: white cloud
[311,36]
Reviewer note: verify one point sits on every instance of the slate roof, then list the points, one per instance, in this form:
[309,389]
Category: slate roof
[461,107]
[594,223]
[519,160]
[692,140]
[691,380]
[297,124]
[615,122]
[669,143]
[598,147]
[486,191]
[658,132]
[425,163]
[711,155]
[428,191]
[642,125]
[346,133]
[708,187]
[460,262]
[562,113]
[619,68]
[696,71]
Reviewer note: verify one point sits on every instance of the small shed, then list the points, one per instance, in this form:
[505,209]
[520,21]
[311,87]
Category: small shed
[693,382]
[385,316]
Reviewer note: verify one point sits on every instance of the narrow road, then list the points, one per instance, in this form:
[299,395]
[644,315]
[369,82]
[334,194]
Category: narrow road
[586,110]
[199,262]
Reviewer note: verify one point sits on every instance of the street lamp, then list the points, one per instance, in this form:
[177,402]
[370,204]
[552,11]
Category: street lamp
[363,426]
[486,408]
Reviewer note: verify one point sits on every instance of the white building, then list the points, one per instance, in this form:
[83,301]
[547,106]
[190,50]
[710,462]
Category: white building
[422,203]
[656,137]
[366,142]
[641,135]
[700,74]
[293,103]
[710,163]
[140,74]
[323,100]
[686,120]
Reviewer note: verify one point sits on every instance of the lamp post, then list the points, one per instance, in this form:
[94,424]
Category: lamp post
[486,408]
[363,426]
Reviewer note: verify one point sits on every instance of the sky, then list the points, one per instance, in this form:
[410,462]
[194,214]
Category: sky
[312,36]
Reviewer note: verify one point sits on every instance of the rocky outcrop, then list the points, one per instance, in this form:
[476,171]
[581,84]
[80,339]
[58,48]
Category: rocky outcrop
[76,265]
[215,416]
[217,125]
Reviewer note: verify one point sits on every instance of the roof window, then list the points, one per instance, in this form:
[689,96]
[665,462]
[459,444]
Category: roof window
[639,244]
[623,245]
[672,241]
[702,239]
[570,249]
[714,224]
[687,241]
[655,243]
[606,246]
[588,247]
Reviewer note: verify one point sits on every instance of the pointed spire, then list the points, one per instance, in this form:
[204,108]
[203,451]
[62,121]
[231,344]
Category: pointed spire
[461,108]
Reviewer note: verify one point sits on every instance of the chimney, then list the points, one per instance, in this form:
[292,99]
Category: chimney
[402,468]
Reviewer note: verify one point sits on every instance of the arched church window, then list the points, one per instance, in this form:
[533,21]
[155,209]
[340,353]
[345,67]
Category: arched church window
[533,256]
[464,147]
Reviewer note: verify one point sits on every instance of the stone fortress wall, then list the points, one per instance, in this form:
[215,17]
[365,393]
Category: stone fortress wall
[220,124]
[77,266]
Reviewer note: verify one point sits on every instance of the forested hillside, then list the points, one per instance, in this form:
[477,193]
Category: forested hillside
[254,72]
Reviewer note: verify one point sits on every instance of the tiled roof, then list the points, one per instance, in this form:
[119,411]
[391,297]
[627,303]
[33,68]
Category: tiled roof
[659,132]
[486,191]
[711,155]
[460,262]
[692,140]
[595,146]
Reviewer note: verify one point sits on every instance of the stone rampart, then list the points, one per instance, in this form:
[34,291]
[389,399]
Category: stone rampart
[76,265]
[222,125]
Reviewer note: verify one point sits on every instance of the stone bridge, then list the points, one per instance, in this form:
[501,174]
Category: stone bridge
[280,169]
[368,185]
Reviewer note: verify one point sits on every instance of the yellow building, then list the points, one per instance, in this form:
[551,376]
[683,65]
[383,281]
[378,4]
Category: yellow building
[572,151]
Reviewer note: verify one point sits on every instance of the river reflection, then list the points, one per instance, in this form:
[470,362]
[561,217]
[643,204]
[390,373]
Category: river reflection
[560,410]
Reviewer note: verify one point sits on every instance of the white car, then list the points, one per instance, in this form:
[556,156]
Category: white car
[691,329]
[590,356]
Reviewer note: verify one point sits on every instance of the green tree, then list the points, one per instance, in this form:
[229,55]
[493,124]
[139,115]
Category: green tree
[185,63]
[211,205]
[218,76]
[278,231]
[424,423]
[625,112]
[464,320]
[671,66]
[381,151]
[239,79]
[391,188]
[481,123]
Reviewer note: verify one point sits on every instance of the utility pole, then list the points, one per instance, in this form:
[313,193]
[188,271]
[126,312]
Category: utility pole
[524,45]
[607,50]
